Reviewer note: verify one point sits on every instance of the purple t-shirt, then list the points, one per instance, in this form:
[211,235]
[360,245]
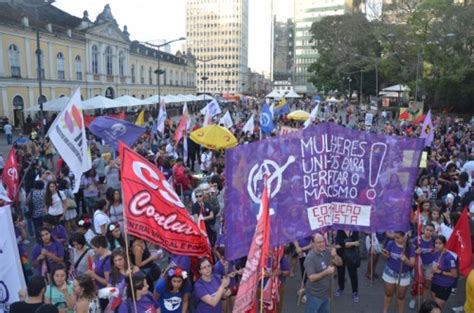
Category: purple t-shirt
[445,264]
[220,270]
[59,233]
[101,265]
[427,250]
[202,288]
[55,248]
[393,261]
[146,304]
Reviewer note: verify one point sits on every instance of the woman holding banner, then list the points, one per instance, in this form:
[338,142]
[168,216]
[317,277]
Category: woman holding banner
[210,289]
[400,256]
[347,247]
[444,272]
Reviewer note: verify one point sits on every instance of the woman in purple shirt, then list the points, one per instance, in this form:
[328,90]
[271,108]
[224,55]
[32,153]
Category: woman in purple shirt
[46,253]
[210,289]
[400,256]
[444,272]
[144,299]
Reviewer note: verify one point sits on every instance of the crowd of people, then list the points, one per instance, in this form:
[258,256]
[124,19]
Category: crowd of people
[79,260]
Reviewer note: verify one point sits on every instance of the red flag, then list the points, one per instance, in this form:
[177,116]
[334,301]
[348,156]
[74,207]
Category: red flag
[153,210]
[271,291]
[256,260]
[183,124]
[90,263]
[460,243]
[10,175]
[88,119]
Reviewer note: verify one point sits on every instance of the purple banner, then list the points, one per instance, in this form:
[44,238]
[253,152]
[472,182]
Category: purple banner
[113,130]
[323,176]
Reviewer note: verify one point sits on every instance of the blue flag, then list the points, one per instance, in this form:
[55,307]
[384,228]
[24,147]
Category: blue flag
[285,109]
[113,130]
[266,120]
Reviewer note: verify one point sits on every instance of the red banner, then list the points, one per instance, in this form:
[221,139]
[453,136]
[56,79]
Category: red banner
[256,260]
[271,291]
[152,209]
[460,243]
[10,175]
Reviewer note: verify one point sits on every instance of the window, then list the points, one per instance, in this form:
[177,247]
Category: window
[121,64]
[60,63]
[142,75]
[41,63]
[171,78]
[108,61]
[78,67]
[95,60]
[132,73]
[150,76]
[14,58]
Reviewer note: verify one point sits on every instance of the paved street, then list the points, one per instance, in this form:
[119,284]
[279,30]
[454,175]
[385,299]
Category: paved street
[371,296]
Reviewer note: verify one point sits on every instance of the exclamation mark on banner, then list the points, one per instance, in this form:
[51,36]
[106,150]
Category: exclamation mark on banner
[377,156]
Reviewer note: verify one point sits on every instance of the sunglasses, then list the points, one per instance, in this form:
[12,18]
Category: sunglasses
[198,196]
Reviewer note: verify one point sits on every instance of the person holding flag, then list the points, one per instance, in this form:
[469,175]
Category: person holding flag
[320,267]
[210,289]
[444,272]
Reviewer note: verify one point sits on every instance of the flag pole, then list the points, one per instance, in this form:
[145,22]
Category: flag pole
[371,253]
[300,291]
[127,250]
[261,289]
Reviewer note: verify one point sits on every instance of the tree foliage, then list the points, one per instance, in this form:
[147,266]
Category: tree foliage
[433,49]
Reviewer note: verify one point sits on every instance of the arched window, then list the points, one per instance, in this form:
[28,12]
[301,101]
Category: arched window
[18,103]
[14,58]
[121,64]
[95,60]
[109,61]
[60,62]
[171,77]
[181,79]
[41,63]
[142,75]
[150,76]
[78,67]
[132,73]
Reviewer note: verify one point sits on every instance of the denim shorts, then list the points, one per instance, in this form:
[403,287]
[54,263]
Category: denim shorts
[391,277]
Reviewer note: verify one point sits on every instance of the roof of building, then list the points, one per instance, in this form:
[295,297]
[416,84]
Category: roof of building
[13,12]
[139,48]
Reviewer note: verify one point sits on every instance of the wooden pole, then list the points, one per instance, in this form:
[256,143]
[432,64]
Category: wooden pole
[300,292]
[261,289]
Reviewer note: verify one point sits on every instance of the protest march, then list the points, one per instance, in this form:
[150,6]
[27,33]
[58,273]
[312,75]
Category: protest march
[217,208]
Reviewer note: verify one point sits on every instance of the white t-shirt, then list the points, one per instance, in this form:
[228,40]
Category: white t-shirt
[100,218]
[8,129]
[57,208]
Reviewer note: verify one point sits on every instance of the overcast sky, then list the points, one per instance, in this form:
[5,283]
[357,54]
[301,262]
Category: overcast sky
[149,20]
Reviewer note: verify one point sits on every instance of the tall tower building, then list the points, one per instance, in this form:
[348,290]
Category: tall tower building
[306,13]
[217,34]
[283,33]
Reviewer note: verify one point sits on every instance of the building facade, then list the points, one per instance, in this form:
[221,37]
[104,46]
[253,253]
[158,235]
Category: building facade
[75,52]
[217,34]
[306,13]
[283,33]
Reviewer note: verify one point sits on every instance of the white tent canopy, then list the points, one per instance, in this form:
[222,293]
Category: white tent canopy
[292,94]
[127,100]
[207,98]
[397,88]
[332,99]
[55,105]
[274,94]
[101,102]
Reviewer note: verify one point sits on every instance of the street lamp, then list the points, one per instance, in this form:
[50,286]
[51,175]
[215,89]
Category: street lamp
[159,71]
[35,5]
[204,77]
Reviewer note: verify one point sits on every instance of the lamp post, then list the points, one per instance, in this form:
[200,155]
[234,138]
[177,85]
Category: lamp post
[38,4]
[159,71]
[204,77]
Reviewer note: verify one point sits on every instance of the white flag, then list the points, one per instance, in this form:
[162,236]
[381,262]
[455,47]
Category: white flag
[312,116]
[211,109]
[11,273]
[226,120]
[272,108]
[249,126]
[68,135]
[160,126]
